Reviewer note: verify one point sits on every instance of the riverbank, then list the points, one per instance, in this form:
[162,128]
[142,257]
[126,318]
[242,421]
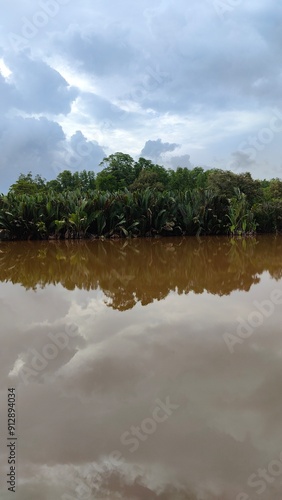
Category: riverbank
[124,214]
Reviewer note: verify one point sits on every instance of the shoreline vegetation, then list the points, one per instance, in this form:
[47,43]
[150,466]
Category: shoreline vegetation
[139,199]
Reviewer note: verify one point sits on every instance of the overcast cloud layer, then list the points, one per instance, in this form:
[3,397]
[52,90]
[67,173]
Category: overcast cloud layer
[185,83]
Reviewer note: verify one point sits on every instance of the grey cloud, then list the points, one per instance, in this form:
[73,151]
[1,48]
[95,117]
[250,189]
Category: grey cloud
[205,71]
[106,114]
[40,146]
[104,53]
[8,95]
[28,144]
[99,108]
[154,149]
[241,161]
[37,338]
[181,161]
[79,153]
[39,87]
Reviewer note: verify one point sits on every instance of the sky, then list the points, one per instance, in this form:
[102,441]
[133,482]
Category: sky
[194,83]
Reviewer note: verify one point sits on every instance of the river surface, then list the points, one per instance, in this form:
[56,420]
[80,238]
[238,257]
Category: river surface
[144,369]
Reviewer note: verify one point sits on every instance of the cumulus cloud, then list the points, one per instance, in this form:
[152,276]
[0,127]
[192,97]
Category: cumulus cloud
[241,161]
[181,161]
[38,87]
[28,144]
[40,145]
[79,153]
[155,149]
[100,52]
[105,113]
[8,95]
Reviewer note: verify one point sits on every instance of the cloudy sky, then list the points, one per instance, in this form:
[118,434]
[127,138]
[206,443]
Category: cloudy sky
[183,83]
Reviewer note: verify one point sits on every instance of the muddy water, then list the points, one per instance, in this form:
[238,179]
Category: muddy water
[145,369]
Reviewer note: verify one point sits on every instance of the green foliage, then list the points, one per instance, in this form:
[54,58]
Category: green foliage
[139,213]
[66,181]
[129,199]
[26,184]
[274,190]
[240,217]
[184,179]
[118,172]
[154,177]
[268,216]
[224,183]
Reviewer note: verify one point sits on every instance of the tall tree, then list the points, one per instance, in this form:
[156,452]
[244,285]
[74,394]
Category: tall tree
[26,184]
[118,172]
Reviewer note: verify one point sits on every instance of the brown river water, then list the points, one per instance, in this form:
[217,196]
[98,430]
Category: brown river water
[141,369]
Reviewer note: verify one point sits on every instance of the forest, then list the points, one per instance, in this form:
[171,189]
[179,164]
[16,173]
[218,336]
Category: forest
[130,198]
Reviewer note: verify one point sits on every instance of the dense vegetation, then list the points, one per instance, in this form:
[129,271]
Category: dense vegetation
[129,198]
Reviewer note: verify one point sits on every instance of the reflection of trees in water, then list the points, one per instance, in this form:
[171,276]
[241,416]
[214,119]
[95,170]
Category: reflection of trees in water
[141,270]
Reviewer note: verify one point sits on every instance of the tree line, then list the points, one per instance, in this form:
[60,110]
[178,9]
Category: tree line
[140,198]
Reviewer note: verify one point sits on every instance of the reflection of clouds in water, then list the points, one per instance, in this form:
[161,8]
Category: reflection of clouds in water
[84,482]
[228,424]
